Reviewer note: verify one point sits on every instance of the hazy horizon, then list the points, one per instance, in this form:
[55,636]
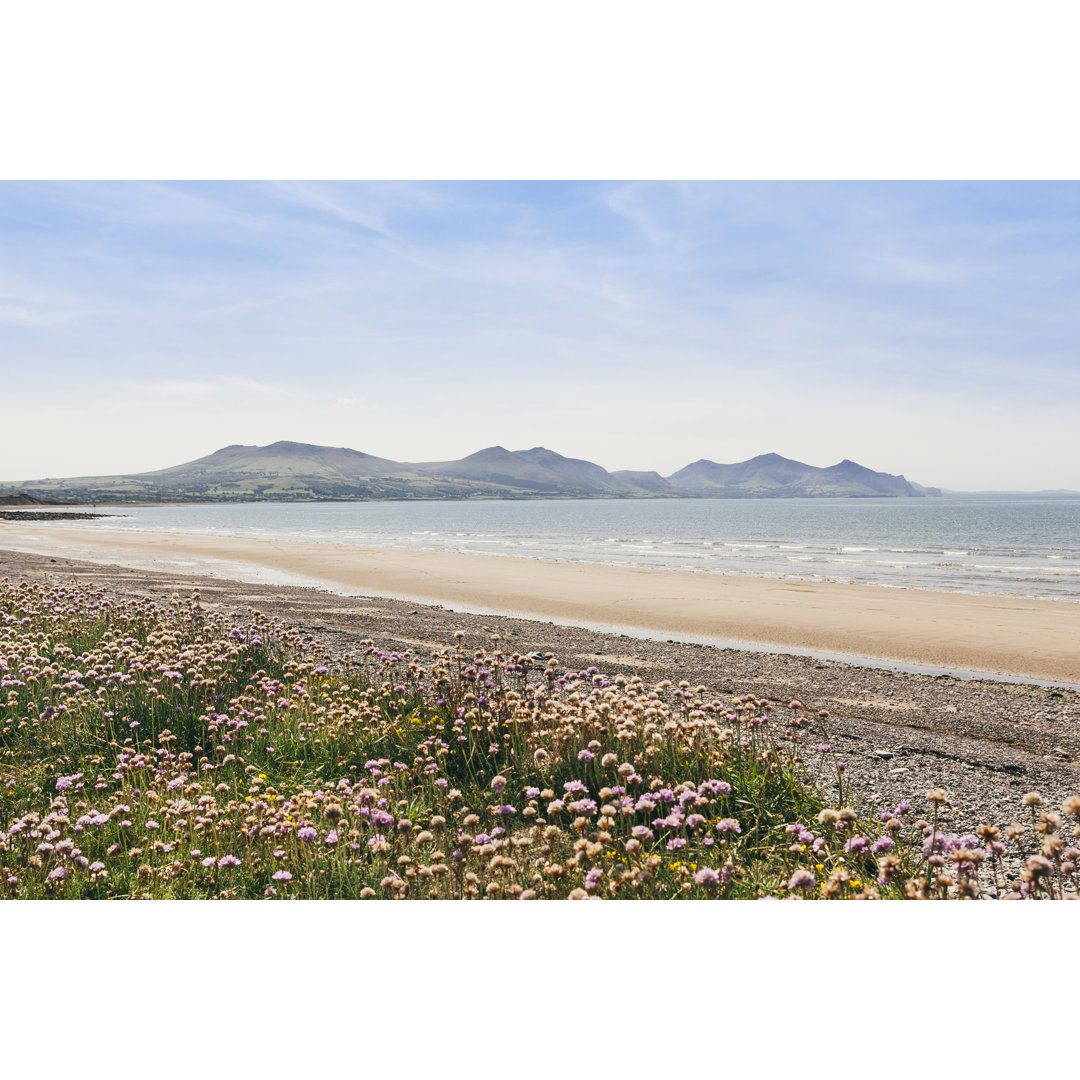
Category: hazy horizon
[918,328]
[989,491]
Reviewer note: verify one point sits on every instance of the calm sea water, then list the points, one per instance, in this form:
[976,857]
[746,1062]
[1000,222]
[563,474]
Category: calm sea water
[1020,546]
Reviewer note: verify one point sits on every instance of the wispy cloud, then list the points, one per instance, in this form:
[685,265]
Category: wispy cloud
[637,323]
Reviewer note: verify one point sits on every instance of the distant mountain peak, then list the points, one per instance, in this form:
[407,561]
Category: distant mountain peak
[289,470]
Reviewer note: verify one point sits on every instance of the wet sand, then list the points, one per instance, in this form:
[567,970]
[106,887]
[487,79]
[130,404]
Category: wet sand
[1037,639]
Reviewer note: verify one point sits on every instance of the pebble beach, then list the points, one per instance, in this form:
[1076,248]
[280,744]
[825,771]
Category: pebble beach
[984,741]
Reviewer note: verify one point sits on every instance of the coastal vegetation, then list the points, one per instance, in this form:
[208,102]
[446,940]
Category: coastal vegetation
[167,750]
[289,471]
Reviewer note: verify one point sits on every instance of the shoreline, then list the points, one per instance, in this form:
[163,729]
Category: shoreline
[984,742]
[1010,637]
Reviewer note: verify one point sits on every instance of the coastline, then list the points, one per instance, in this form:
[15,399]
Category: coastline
[1008,636]
[901,733]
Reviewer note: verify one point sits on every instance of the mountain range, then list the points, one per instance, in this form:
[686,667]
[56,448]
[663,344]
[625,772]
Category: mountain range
[289,471]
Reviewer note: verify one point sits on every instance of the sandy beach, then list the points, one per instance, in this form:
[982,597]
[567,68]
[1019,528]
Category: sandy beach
[984,742]
[1037,639]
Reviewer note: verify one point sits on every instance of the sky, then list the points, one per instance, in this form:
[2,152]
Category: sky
[923,328]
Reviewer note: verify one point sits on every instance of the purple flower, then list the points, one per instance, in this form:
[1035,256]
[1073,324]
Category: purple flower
[676,843]
[706,876]
[498,785]
[585,756]
[857,845]
[209,861]
[728,825]
[282,875]
[592,878]
[575,787]
[332,837]
[641,832]
[59,873]
[307,833]
[802,879]
[96,867]
[228,860]
[505,811]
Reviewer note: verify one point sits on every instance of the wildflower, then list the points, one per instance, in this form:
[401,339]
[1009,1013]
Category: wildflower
[282,875]
[228,860]
[936,797]
[728,825]
[592,878]
[1038,865]
[1032,799]
[707,877]
[801,879]
[498,784]
[209,861]
[59,873]
[307,833]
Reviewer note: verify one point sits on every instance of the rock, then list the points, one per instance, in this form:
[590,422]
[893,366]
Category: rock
[884,754]
[897,772]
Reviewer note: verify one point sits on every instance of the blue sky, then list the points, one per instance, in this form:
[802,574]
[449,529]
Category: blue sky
[924,328]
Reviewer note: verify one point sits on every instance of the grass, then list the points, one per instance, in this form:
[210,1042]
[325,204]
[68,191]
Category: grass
[168,751]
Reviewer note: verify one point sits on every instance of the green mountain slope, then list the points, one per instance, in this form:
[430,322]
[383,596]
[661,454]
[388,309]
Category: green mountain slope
[291,471]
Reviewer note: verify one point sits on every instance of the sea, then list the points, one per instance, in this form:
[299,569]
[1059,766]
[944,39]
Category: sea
[1007,545]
